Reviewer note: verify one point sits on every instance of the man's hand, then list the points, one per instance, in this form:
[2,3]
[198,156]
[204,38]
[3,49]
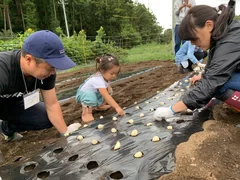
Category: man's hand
[72,128]
[182,6]
[189,5]
[163,113]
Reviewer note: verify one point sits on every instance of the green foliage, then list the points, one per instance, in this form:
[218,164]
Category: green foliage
[141,53]
[99,47]
[83,51]
[146,52]
[59,32]
[5,34]
[30,14]
[78,48]
[166,38]
[14,43]
[131,22]
[237,17]
[54,25]
[130,36]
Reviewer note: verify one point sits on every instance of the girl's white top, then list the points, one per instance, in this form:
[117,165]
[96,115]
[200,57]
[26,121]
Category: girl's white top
[94,82]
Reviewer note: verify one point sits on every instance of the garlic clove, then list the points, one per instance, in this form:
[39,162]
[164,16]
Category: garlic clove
[134,133]
[117,146]
[138,154]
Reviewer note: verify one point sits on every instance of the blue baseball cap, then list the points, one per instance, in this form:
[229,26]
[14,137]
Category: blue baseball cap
[47,45]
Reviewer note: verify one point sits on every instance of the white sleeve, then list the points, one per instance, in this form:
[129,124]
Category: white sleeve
[193,3]
[99,82]
[176,7]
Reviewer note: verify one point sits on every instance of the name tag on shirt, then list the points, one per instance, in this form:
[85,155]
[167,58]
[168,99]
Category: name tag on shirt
[31,99]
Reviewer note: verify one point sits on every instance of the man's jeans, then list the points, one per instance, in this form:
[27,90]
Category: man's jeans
[178,41]
[16,119]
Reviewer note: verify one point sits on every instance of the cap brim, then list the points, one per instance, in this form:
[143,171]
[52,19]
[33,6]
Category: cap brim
[61,63]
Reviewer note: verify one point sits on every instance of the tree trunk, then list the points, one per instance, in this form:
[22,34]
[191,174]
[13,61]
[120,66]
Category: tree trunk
[54,9]
[9,20]
[81,27]
[21,11]
[4,18]
[73,24]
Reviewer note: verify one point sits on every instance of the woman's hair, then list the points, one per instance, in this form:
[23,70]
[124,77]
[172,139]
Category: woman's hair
[106,62]
[198,15]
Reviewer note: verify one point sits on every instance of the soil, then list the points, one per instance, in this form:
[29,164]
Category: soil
[211,154]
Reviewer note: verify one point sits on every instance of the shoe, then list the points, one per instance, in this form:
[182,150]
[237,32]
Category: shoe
[16,136]
[213,102]
[183,70]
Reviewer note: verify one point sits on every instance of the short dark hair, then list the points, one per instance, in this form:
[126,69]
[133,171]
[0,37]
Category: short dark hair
[197,17]
[106,62]
[38,60]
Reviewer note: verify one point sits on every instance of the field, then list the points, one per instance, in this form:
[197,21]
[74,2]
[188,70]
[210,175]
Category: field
[210,154]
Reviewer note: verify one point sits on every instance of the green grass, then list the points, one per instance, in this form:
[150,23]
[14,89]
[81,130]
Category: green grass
[75,68]
[148,52]
[139,53]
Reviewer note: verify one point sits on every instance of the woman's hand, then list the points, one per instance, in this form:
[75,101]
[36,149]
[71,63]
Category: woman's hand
[195,78]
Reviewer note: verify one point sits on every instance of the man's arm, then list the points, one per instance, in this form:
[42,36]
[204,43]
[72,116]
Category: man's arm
[177,7]
[54,111]
[4,77]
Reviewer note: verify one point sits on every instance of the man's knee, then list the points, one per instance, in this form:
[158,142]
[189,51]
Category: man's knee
[35,118]
[231,98]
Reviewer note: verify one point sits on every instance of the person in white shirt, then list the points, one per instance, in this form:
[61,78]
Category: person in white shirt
[95,91]
[181,8]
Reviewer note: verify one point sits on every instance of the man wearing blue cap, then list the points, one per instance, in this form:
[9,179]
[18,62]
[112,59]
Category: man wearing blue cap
[23,74]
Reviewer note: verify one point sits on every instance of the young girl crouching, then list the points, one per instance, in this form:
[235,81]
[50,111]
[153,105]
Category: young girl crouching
[95,91]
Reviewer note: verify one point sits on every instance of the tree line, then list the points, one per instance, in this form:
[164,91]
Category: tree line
[120,18]
[125,22]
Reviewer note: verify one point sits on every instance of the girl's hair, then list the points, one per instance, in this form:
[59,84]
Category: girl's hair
[106,62]
[198,15]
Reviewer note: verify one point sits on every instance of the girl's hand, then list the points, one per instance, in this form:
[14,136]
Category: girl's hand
[120,111]
[195,78]
[109,100]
